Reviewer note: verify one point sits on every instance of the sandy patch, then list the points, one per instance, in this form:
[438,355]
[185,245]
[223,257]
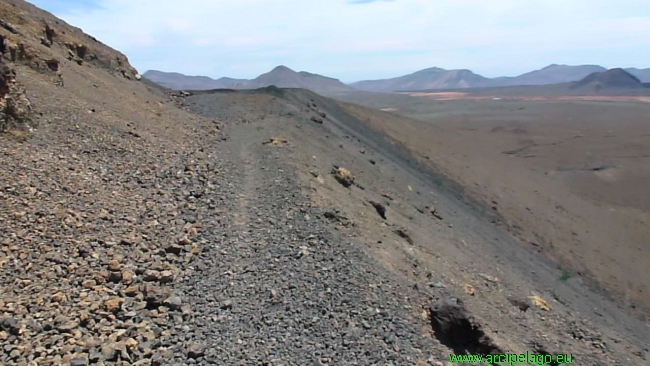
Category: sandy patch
[469,96]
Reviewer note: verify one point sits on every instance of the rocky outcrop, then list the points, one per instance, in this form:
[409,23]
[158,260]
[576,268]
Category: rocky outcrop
[32,40]
[15,108]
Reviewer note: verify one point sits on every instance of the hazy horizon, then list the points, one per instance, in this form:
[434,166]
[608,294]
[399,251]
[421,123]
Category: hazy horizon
[366,39]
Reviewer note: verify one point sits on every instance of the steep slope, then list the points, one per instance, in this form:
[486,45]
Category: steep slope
[432,78]
[616,79]
[408,217]
[552,74]
[641,74]
[39,40]
[178,81]
[92,188]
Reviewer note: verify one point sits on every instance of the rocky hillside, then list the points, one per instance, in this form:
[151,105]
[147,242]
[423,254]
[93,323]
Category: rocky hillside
[35,41]
[97,172]
[39,40]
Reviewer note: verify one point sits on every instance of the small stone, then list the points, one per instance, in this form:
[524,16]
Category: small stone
[127,276]
[58,297]
[10,325]
[151,275]
[166,277]
[94,355]
[469,289]
[539,302]
[195,350]
[174,249]
[173,302]
[131,344]
[88,284]
[114,305]
[114,277]
[109,353]
[155,295]
[132,291]
[114,265]
[67,326]
[79,361]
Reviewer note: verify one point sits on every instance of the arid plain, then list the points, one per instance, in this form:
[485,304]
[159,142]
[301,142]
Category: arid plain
[567,177]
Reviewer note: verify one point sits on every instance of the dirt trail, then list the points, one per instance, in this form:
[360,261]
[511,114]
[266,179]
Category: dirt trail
[284,288]
[460,252]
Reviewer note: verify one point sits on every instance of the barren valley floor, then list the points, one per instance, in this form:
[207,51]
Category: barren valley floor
[568,178]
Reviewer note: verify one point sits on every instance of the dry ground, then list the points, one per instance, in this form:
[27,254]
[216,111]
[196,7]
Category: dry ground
[457,251]
[134,232]
[568,178]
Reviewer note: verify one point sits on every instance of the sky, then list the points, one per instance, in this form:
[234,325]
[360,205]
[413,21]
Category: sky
[355,40]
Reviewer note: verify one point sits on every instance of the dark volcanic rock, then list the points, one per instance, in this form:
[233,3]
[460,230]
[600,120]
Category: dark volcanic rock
[381,209]
[454,328]
[404,235]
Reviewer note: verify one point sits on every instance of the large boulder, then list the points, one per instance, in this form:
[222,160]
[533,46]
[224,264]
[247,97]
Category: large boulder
[343,176]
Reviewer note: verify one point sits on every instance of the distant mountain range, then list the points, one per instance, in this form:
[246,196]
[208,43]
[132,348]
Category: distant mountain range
[177,81]
[281,76]
[427,79]
[552,74]
[436,78]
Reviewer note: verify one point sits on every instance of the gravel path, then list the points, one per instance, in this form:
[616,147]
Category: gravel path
[279,288]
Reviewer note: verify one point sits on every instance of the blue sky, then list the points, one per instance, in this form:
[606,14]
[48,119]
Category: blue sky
[364,39]
[59,7]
